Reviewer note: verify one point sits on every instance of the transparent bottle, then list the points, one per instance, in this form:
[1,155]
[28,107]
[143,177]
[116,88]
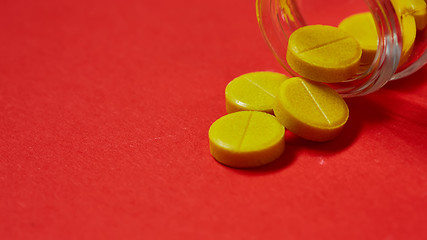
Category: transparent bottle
[279,18]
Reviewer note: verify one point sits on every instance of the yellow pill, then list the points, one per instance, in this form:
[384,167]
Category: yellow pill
[246,139]
[310,110]
[362,27]
[253,91]
[323,53]
[415,8]
[412,15]
[409,32]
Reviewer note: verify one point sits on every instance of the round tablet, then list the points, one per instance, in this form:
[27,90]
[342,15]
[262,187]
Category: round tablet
[246,139]
[323,53]
[253,91]
[362,27]
[310,110]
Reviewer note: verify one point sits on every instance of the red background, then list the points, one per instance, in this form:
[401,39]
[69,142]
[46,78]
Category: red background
[105,108]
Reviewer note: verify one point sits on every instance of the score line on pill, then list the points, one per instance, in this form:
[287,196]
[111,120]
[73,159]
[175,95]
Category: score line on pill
[323,53]
[246,139]
[311,110]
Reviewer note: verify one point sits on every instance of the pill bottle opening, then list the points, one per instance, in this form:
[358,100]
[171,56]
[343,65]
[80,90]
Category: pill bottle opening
[396,56]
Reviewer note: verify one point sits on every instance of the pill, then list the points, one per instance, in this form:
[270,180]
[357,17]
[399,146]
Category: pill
[362,27]
[246,139]
[416,8]
[311,110]
[323,53]
[409,32]
[253,91]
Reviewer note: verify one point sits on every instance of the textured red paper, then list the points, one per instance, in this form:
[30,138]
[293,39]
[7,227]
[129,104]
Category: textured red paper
[105,108]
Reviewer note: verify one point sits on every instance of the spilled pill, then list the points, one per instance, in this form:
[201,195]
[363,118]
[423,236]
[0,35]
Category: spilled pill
[323,53]
[253,91]
[246,139]
[362,27]
[310,110]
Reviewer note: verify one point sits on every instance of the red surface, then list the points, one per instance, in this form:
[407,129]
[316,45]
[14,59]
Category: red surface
[105,108]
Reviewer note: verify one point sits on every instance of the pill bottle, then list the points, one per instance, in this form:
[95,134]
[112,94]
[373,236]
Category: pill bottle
[279,18]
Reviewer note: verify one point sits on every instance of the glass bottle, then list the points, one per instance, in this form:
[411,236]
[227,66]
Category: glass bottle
[279,18]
